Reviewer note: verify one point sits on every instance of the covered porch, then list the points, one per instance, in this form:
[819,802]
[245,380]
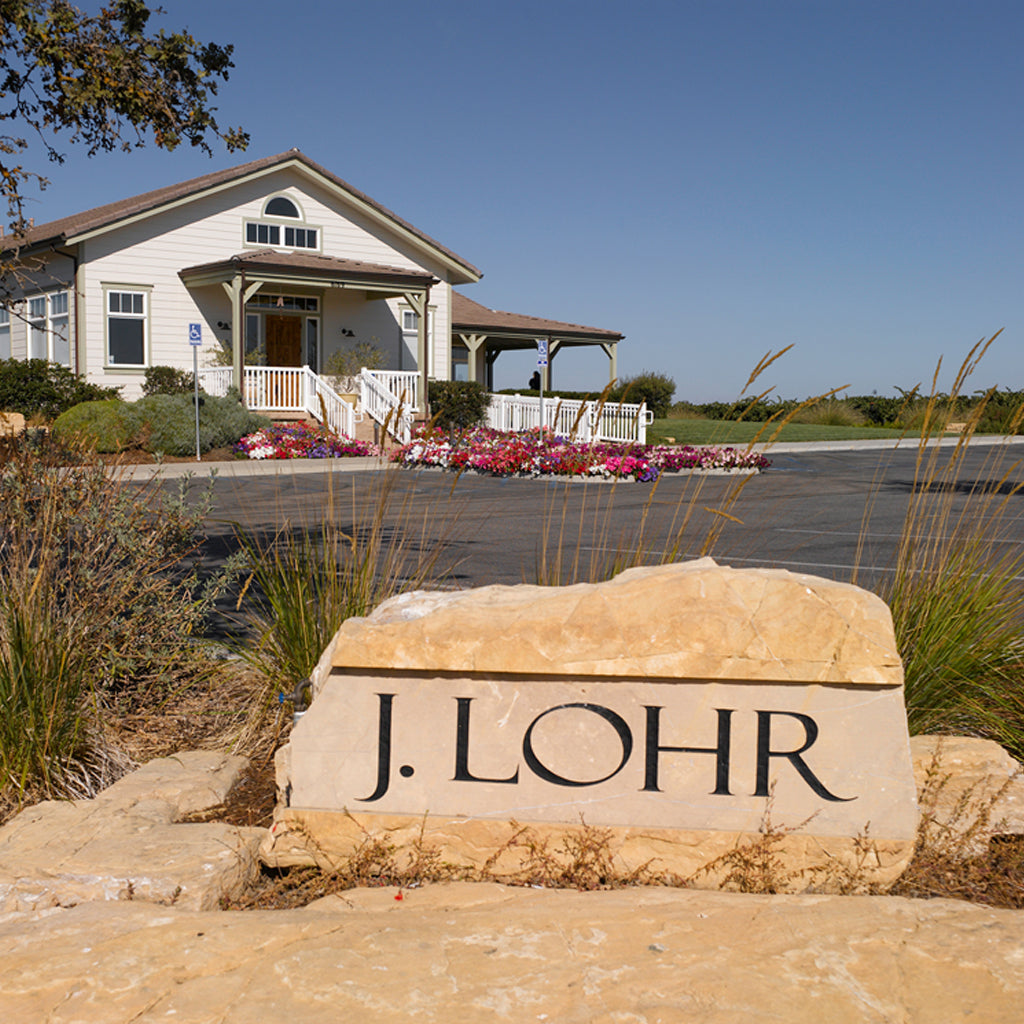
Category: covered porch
[482,334]
[276,310]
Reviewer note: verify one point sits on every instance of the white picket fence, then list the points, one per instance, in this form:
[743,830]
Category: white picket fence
[273,389]
[392,397]
[584,421]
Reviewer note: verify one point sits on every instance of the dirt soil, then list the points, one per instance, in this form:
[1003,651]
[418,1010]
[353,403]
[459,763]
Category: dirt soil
[138,457]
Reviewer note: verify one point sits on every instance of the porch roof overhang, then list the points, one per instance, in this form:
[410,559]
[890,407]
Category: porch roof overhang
[517,331]
[284,269]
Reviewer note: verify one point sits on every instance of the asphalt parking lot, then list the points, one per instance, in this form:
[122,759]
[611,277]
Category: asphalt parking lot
[824,512]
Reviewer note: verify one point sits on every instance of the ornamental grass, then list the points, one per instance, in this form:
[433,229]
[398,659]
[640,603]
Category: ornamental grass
[957,587]
[302,582]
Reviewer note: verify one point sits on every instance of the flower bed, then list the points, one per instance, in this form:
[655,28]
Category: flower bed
[494,453]
[301,441]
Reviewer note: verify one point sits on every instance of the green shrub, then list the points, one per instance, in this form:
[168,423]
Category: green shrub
[168,422]
[344,364]
[107,426]
[457,404]
[35,387]
[832,412]
[168,380]
[656,389]
[879,410]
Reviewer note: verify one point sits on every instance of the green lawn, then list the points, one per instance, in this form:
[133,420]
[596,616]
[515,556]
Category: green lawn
[731,432]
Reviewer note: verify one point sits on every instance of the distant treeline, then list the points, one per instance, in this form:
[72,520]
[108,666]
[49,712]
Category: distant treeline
[1000,411]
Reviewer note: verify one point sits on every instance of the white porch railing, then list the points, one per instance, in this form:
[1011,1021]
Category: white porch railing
[404,384]
[216,381]
[273,389]
[586,421]
[388,407]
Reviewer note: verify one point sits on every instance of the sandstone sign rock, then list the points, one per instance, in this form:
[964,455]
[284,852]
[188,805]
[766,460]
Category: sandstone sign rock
[686,708]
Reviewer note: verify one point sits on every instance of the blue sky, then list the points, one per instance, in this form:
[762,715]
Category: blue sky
[714,179]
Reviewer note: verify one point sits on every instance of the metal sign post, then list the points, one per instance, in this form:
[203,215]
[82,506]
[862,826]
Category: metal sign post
[542,363]
[195,339]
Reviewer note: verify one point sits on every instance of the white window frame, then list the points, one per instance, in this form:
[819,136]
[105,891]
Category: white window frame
[282,216]
[145,291]
[5,333]
[256,226]
[280,225]
[59,326]
[37,346]
[44,323]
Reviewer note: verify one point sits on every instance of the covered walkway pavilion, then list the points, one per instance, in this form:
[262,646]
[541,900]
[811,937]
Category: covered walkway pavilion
[480,335]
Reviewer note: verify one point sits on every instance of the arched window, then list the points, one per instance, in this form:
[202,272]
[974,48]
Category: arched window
[280,206]
[270,231]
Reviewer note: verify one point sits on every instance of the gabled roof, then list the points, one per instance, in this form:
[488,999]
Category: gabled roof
[68,229]
[468,315]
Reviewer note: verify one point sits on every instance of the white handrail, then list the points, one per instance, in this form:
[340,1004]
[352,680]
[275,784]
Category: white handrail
[324,401]
[395,411]
[399,383]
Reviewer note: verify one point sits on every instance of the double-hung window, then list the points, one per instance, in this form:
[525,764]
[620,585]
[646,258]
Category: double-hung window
[48,328]
[5,333]
[127,319]
[60,339]
[37,346]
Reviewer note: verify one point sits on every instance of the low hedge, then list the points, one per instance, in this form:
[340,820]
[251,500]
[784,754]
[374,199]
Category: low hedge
[159,423]
[108,426]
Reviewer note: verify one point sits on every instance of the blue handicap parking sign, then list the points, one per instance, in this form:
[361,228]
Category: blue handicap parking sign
[195,334]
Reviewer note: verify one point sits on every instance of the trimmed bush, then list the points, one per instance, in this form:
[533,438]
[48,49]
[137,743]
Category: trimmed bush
[832,412]
[458,404]
[107,426]
[169,422]
[168,380]
[656,389]
[35,387]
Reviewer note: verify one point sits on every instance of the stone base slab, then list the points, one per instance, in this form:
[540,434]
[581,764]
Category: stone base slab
[702,859]
[485,953]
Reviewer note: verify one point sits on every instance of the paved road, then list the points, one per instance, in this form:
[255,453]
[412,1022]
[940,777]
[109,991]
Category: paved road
[806,513]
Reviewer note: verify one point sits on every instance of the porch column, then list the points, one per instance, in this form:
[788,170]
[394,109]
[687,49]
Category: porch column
[420,302]
[553,346]
[490,358]
[239,294]
[611,350]
[473,343]
[234,290]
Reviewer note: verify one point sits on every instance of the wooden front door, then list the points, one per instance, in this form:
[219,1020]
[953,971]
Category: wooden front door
[284,340]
